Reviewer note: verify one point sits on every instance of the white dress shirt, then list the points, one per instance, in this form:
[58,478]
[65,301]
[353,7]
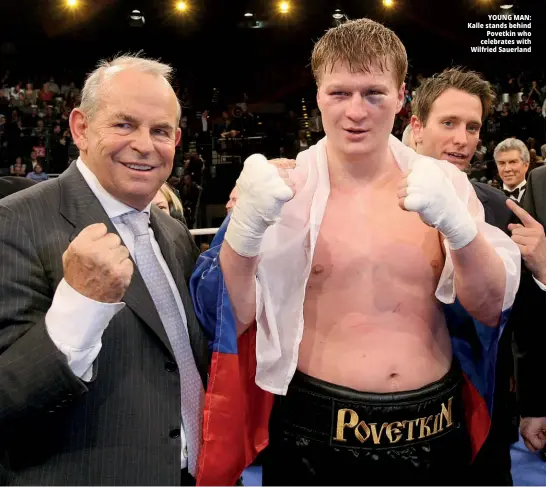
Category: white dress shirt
[540,284]
[82,343]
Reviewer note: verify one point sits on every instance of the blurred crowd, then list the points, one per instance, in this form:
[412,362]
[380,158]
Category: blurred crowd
[35,139]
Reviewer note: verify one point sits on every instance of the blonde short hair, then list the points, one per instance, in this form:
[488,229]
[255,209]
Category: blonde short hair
[90,95]
[360,45]
[172,199]
[456,78]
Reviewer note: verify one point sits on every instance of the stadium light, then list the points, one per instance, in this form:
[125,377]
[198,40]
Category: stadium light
[181,6]
[388,3]
[136,19]
[284,7]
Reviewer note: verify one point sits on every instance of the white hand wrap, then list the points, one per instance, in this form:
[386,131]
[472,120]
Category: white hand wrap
[262,192]
[432,195]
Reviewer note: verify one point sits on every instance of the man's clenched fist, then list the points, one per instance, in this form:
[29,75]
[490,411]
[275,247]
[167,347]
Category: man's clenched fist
[262,190]
[428,191]
[533,433]
[97,265]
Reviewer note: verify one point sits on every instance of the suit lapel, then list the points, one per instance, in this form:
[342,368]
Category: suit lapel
[82,208]
[174,255]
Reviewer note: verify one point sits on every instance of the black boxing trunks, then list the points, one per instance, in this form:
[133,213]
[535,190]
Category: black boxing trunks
[324,434]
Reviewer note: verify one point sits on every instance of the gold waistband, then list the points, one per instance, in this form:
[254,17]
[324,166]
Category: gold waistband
[350,427]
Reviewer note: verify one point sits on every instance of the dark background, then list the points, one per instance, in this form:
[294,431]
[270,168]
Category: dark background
[211,47]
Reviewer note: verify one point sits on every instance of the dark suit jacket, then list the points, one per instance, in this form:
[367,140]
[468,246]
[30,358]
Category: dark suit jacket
[496,212]
[534,197]
[121,428]
[528,316]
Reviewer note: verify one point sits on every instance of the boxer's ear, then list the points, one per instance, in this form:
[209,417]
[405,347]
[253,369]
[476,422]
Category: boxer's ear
[400,98]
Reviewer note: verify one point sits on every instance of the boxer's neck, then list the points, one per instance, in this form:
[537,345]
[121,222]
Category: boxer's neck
[359,171]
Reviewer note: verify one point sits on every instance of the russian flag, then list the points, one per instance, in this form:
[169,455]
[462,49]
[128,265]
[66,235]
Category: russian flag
[237,411]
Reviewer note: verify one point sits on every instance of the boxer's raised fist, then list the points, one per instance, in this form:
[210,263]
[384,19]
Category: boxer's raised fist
[283,169]
[97,265]
[263,187]
[428,191]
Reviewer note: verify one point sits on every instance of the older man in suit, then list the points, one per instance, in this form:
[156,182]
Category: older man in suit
[102,361]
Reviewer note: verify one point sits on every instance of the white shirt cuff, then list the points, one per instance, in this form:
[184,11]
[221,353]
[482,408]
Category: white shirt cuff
[540,284]
[76,324]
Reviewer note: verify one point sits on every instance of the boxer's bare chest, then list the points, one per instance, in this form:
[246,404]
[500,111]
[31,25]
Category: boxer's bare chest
[371,291]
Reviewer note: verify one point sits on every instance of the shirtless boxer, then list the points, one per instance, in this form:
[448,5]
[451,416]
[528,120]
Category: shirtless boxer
[345,293]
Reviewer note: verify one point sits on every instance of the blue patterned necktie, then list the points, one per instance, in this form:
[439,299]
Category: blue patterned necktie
[192,393]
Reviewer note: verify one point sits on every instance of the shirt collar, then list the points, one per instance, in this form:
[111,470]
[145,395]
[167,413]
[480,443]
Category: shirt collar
[520,186]
[111,205]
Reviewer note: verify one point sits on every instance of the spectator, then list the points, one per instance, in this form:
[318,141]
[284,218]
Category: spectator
[58,143]
[16,91]
[33,159]
[534,94]
[19,168]
[225,127]
[32,119]
[45,94]
[194,166]
[480,151]
[39,130]
[37,174]
[40,148]
[535,161]
[189,194]
[167,201]
[31,95]
[52,86]
[506,122]
[49,116]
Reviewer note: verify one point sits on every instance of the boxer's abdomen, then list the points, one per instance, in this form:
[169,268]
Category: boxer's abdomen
[372,322]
